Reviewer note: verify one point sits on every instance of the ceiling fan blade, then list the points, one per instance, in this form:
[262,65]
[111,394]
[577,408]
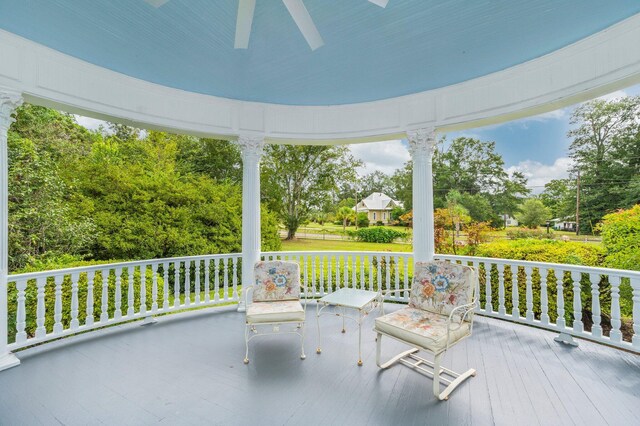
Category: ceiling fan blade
[156,3]
[303,20]
[243,23]
[381,3]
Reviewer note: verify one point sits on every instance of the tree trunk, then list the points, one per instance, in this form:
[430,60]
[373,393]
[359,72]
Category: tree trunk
[291,234]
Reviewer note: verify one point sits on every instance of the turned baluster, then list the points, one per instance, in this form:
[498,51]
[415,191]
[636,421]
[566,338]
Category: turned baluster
[577,302]
[176,285]
[88,320]
[104,308]
[41,331]
[596,328]
[21,317]
[130,291]
[57,315]
[207,280]
[544,297]
[75,323]
[615,334]
[502,310]
[529,292]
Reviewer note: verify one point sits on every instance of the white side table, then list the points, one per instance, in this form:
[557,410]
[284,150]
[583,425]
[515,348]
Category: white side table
[363,301]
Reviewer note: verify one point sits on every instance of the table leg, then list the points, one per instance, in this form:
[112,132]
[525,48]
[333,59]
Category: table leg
[318,349]
[343,328]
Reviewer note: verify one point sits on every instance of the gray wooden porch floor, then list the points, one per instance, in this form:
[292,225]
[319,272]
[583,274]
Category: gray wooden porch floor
[188,369]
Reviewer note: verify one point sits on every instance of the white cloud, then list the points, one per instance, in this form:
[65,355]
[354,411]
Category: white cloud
[384,156]
[539,174]
[90,123]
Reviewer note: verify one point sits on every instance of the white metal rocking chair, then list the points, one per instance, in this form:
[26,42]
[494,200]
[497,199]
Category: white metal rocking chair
[276,301]
[439,315]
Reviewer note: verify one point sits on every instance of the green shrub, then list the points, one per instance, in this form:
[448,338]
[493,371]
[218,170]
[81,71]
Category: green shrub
[377,234]
[521,233]
[363,220]
[570,252]
[621,238]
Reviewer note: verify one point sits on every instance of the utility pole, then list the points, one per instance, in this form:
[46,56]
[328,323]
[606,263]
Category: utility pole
[578,204]
[355,187]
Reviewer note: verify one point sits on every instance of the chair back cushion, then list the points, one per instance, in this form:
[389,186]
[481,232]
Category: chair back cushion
[276,280]
[441,286]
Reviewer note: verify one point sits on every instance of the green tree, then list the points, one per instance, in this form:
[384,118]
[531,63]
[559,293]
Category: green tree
[533,213]
[296,179]
[478,207]
[218,159]
[468,165]
[41,222]
[508,199]
[46,216]
[606,152]
[402,184]
[375,182]
[346,215]
[560,197]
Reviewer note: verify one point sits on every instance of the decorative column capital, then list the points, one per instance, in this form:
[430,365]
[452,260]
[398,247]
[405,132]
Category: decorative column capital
[251,147]
[422,142]
[9,101]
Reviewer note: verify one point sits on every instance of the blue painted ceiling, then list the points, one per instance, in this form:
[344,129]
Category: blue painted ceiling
[370,53]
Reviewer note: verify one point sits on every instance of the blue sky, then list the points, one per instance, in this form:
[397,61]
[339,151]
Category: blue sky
[537,146]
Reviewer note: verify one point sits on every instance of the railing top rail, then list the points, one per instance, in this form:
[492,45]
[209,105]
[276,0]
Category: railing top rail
[567,267]
[134,263]
[523,263]
[335,252]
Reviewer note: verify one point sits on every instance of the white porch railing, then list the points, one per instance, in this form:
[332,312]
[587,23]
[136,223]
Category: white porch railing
[57,303]
[593,303]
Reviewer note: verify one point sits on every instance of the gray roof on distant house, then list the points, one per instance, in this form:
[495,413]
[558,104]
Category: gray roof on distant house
[378,201]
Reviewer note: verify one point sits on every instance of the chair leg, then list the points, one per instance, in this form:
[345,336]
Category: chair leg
[392,360]
[247,330]
[303,327]
[436,375]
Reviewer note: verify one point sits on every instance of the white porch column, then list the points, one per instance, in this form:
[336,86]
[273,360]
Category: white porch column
[252,149]
[9,101]
[422,143]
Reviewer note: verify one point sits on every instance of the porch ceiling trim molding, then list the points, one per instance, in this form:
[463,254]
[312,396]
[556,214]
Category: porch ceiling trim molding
[604,62]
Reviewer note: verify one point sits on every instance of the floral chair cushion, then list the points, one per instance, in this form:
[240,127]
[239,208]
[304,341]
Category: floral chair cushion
[422,328]
[276,280]
[441,286]
[279,311]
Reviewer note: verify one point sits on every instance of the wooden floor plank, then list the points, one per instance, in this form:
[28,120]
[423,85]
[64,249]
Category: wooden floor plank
[188,369]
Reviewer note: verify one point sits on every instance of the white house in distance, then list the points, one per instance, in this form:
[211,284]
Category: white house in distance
[508,220]
[378,207]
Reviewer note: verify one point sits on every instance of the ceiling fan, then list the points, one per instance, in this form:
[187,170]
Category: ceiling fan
[296,9]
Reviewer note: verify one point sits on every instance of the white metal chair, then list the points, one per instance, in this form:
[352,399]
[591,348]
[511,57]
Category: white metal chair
[276,300]
[439,315]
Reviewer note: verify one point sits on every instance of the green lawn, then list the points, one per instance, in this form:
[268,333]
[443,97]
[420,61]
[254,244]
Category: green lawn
[337,245]
[331,228]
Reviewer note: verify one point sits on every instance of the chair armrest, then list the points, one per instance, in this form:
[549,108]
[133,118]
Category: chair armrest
[246,294]
[383,294]
[469,307]
[464,311]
